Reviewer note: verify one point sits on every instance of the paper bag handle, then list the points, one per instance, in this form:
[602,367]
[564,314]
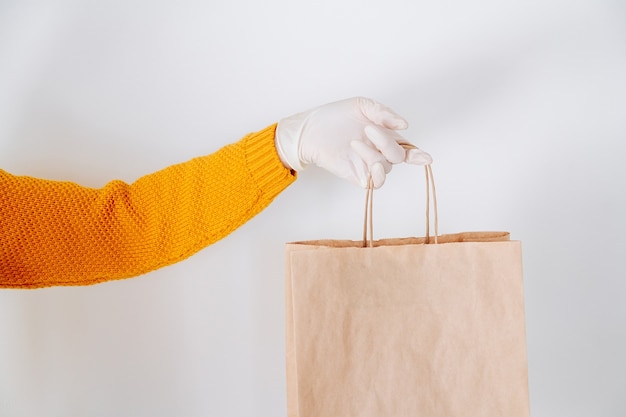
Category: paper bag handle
[368,224]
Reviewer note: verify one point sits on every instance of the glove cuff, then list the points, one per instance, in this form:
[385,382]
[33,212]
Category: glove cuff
[287,138]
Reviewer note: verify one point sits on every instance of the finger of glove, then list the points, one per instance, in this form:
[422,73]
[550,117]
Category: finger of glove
[381,114]
[370,155]
[386,141]
[378,174]
[370,163]
[417,156]
[359,171]
[361,174]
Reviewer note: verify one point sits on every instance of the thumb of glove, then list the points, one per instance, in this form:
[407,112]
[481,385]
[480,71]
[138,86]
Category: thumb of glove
[416,156]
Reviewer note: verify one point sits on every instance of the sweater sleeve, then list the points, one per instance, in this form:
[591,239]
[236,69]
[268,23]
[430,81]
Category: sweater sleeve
[60,233]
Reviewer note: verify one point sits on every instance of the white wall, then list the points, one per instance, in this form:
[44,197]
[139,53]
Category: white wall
[522,105]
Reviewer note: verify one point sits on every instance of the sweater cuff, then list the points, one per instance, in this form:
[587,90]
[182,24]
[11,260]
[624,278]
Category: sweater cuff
[265,165]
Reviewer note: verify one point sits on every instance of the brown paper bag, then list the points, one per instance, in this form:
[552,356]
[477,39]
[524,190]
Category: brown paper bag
[406,328]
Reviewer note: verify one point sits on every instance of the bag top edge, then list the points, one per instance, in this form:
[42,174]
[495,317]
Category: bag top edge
[463,237]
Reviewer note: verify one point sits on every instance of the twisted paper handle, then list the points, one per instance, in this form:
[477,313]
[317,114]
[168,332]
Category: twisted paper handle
[368,224]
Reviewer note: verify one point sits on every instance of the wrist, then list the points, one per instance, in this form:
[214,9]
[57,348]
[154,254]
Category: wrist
[287,141]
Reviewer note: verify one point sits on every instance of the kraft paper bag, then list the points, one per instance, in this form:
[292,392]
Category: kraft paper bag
[403,327]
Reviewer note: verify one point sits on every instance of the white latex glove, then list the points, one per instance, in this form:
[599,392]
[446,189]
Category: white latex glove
[352,138]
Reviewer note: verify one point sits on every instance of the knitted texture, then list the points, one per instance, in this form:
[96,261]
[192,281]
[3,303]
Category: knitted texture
[60,233]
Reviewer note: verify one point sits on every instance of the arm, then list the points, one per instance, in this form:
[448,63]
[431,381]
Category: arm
[59,233]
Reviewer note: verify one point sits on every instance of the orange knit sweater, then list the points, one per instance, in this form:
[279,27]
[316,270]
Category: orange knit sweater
[60,233]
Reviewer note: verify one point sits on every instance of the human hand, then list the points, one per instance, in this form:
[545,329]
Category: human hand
[353,138]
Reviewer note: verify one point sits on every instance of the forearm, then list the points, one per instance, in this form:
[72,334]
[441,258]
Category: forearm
[63,234]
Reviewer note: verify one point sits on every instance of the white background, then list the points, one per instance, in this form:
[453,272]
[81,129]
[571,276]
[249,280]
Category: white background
[522,105]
